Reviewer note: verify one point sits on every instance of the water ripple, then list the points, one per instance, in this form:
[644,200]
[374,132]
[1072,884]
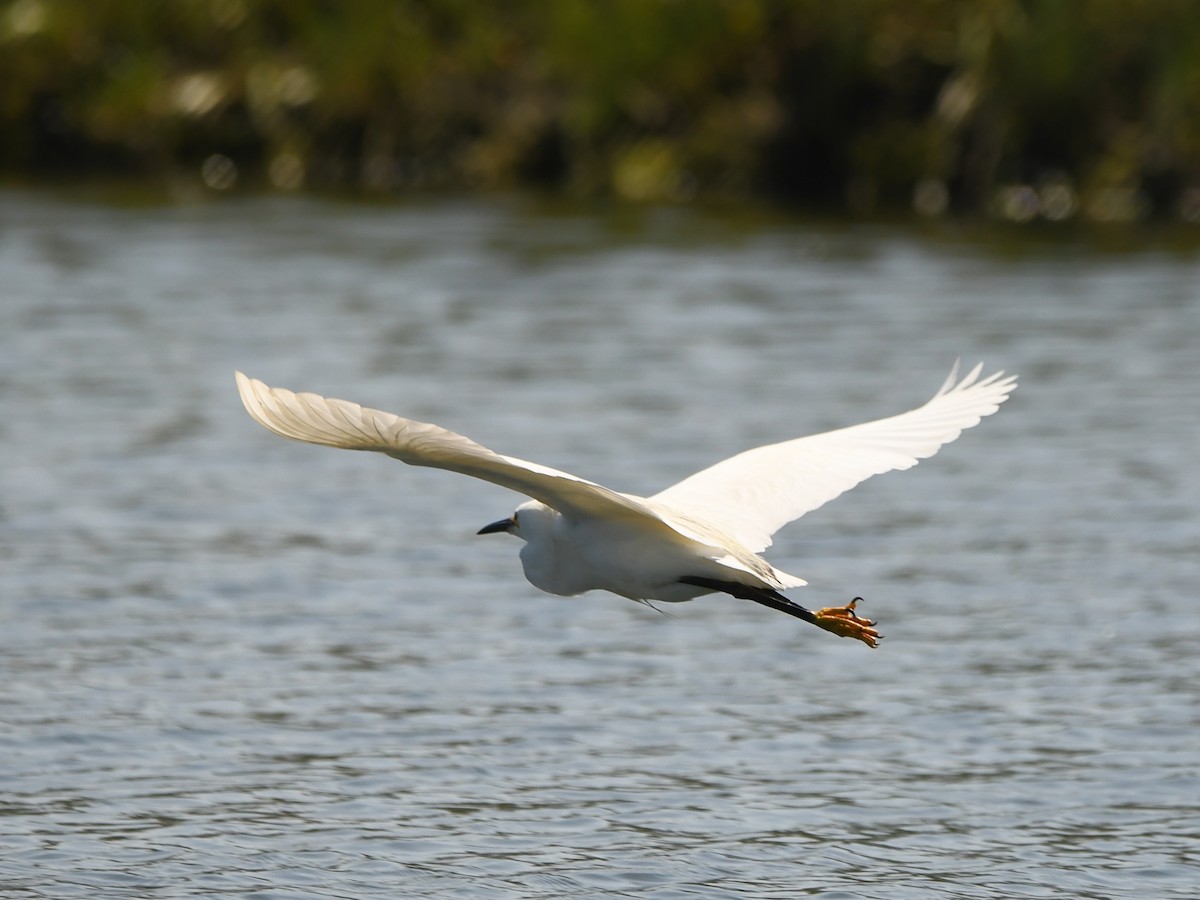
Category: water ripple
[239,667]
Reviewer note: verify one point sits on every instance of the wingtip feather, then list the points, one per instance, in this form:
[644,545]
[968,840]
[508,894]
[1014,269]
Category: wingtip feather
[951,379]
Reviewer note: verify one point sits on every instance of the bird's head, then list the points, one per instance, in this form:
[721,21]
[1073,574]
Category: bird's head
[529,520]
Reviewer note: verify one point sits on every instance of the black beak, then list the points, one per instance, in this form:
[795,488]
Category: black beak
[497,527]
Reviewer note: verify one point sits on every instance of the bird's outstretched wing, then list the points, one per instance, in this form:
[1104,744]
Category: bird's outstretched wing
[754,494]
[339,423]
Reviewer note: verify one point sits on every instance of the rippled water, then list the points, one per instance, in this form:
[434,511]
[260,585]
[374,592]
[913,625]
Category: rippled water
[238,666]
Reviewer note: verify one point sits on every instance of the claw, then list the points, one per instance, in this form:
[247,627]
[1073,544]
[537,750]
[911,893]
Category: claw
[845,622]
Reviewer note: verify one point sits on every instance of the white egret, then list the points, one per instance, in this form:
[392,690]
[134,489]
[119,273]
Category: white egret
[701,536]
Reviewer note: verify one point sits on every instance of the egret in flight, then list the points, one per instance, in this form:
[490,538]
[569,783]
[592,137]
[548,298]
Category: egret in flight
[700,536]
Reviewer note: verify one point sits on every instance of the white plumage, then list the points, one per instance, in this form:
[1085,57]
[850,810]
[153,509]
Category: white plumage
[699,536]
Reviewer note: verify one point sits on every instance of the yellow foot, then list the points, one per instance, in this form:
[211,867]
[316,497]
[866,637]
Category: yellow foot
[843,621]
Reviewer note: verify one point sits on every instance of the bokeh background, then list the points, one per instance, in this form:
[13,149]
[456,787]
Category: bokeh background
[1007,108]
[626,240]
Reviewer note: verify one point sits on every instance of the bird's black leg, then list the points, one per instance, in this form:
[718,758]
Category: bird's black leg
[840,620]
[765,596]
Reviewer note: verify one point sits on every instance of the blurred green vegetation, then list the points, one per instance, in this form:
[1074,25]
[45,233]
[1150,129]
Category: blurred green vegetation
[1020,108]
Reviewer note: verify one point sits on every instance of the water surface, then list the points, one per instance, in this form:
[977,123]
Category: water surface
[238,666]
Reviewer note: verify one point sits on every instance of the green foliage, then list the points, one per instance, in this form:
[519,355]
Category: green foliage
[856,102]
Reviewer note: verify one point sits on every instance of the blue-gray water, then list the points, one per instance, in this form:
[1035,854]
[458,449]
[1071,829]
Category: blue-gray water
[235,665]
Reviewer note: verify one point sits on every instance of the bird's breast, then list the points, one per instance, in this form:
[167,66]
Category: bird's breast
[556,568]
[631,562]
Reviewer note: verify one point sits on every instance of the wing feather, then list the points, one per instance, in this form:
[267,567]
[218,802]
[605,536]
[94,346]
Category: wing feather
[339,423]
[754,494]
